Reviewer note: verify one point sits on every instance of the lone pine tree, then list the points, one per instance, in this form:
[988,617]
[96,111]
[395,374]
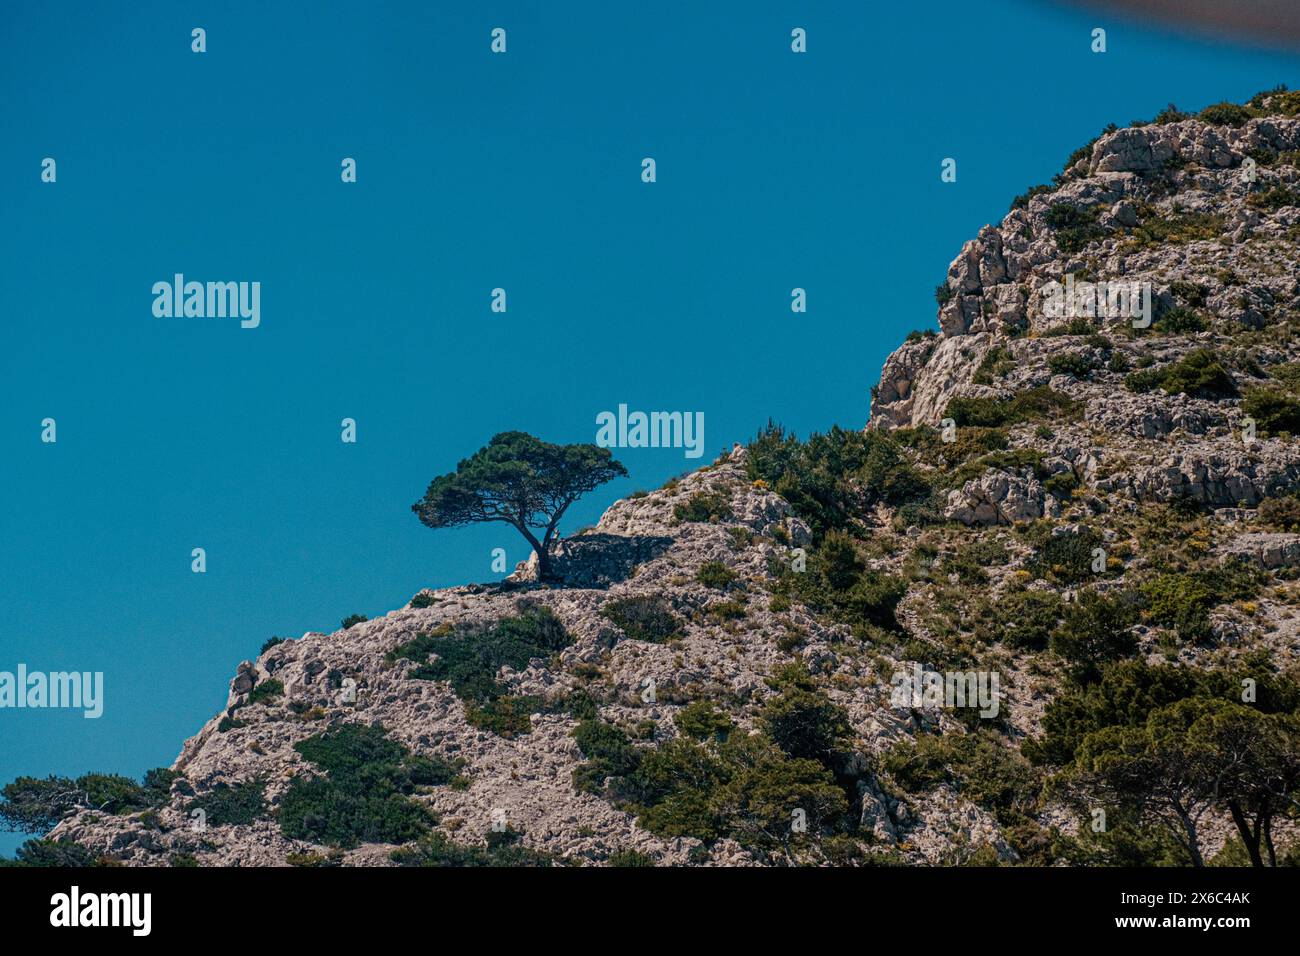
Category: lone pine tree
[521,481]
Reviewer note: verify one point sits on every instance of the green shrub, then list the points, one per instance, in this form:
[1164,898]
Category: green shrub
[272,642]
[1283,514]
[609,754]
[507,715]
[1067,558]
[353,619]
[802,720]
[350,748]
[716,575]
[35,805]
[364,795]
[837,562]
[1275,411]
[1198,374]
[702,721]
[1096,629]
[1022,201]
[1030,405]
[644,618]
[225,805]
[436,849]
[1191,293]
[997,362]
[630,858]
[63,853]
[838,585]
[1170,114]
[1180,321]
[1075,227]
[470,659]
[727,610]
[1023,620]
[1080,365]
[703,506]
[831,478]
[1183,600]
[1062,484]
[1226,114]
[423,599]
[1274,198]
[978,765]
[1129,690]
[745,788]
[266,691]
[419,647]
[1175,227]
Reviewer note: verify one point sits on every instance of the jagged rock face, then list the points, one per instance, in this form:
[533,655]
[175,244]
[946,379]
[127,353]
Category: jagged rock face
[1268,550]
[999,498]
[1204,216]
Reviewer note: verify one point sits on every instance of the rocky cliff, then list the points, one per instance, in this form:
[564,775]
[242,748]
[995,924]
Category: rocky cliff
[715,672]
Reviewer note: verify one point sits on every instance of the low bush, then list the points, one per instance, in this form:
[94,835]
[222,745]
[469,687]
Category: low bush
[1274,410]
[716,575]
[1095,630]
[1065,558]
[226,805]
[644,618]
[1078,365]
[62,854]
[745,788]
[609,754]
[704,507]
[977,765]
[1075,227]
[469,660]
[630,858]
[364,795]
[1023,620]
[436,849]
[1041,403]
[266,691]
[832,478]
[1198,374]
[701,720]
[802,720]
[1282,514]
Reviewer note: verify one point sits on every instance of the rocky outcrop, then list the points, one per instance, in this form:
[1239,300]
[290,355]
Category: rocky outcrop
[1160,207]
[1265,549]
[1000,498]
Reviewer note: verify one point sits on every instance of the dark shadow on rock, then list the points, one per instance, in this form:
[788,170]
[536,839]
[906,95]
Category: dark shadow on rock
[599,560]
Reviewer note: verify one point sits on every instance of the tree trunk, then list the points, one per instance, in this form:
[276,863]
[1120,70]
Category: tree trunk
[543,563]
[1193,844]
[541,550]
[1249,837]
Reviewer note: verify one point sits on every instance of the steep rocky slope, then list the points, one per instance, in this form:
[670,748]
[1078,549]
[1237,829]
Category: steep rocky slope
[1065,501]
